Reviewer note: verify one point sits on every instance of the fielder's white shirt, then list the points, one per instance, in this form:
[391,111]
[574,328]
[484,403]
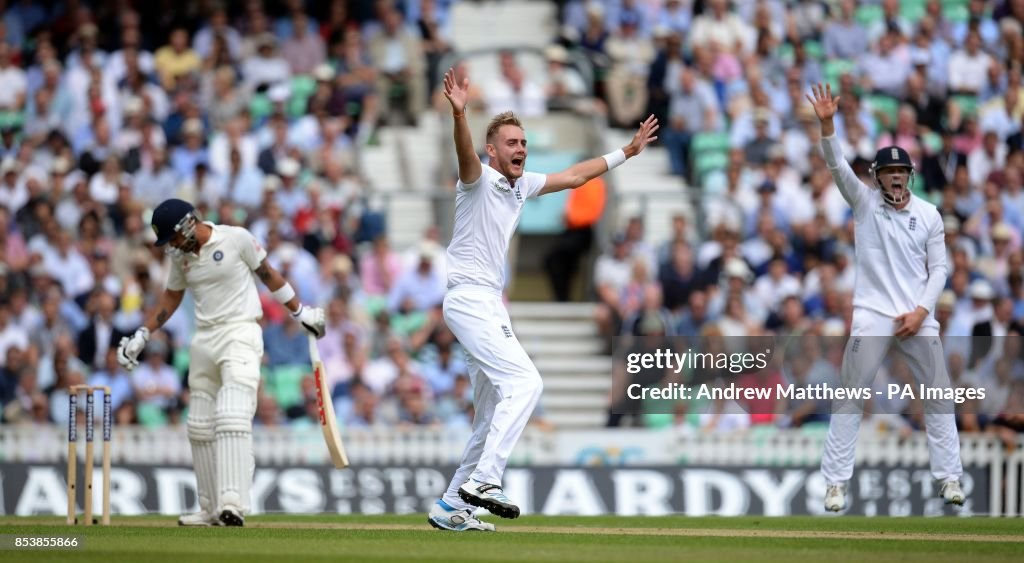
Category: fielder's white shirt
[221,277]
[900,254]
[486,214]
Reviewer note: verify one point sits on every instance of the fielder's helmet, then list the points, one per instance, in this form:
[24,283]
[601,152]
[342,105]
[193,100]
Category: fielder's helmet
[166,218]
[891,156]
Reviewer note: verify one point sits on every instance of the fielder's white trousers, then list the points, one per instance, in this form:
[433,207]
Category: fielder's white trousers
[506,385]
[871,338]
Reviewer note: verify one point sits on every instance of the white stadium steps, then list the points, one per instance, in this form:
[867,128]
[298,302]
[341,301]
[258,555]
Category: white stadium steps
[563,342]
[555,328]
[645,187]
[577,419]
[408,216]
[522,24]
[559,348]
[575,382]
[579,364]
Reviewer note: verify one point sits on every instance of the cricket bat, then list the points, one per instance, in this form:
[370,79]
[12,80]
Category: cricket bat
[325,405]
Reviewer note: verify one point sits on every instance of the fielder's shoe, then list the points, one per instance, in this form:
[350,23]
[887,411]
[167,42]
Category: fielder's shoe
[835,498]
[201,518]
[232,517]
[488,496]
[443,517]
[951,493]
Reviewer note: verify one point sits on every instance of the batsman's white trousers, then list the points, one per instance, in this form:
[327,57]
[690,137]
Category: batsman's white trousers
[871,338]
[506,384]
[223,380]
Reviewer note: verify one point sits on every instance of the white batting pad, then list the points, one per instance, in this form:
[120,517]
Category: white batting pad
[204,456]
[236,405]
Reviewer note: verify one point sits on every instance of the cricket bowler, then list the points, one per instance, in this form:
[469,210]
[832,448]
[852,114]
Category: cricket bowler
[217,263]
[506,385]
[901,271]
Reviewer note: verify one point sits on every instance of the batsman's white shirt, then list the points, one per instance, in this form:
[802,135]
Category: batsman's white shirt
[486,214]
[900,254]
[221,277]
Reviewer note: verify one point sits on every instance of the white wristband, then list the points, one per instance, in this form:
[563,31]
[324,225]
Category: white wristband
[614,158]
[284,294]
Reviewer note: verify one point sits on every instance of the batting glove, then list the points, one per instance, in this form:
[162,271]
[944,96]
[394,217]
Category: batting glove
[312,319]
[130,347]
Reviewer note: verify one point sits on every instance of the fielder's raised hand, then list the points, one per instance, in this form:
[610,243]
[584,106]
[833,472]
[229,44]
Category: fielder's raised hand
[825,106]
[130,347]
[312,319]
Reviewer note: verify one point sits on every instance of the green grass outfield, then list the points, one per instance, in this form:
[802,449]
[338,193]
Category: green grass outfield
[280,539]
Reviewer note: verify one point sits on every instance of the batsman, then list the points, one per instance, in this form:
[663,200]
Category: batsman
[217,263]
[901,270]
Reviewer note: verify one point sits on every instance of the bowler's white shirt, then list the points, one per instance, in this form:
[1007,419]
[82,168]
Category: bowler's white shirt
[900,254]
[221,277]
[486,214]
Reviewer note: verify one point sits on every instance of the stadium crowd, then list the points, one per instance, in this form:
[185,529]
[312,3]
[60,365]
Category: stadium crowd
[254,110]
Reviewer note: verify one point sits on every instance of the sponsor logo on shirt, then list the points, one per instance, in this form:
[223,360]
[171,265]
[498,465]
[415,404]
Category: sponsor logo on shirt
[218,256]
[506,331]
[503,189]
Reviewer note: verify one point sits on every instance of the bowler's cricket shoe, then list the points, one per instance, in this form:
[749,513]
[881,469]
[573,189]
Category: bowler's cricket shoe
[835,498]
[443,517]
[951,493]
[232,517]
[201,518]
[488,496]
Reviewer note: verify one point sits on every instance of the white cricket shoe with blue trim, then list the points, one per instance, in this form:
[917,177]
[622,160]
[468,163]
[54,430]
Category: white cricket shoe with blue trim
[951,493]
[488,496]
[835,498]
[443,517]
[201,518]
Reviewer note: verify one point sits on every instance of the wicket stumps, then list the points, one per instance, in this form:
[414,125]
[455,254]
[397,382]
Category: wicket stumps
[89,454]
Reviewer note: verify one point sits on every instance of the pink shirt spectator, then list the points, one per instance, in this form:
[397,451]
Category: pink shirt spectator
[762,411]
[379,272]
[726,67]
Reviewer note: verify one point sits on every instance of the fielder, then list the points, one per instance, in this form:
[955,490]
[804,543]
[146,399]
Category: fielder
[901,271]
[506,385]
[217,263]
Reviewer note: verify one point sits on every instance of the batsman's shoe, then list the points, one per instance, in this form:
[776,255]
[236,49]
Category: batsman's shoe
[835,498]
[488,496]
[951,493]
[444,517]
[201,518]
[232,517]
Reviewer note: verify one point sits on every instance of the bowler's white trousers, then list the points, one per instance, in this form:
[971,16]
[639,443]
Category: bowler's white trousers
[506,385]
[871,338]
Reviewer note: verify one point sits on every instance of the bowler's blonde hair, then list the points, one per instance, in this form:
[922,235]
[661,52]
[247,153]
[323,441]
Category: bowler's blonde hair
[504,118]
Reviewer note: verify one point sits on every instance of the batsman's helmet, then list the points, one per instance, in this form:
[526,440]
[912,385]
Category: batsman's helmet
[168,218]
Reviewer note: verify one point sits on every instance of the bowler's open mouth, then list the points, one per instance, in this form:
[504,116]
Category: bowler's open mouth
[518,161]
